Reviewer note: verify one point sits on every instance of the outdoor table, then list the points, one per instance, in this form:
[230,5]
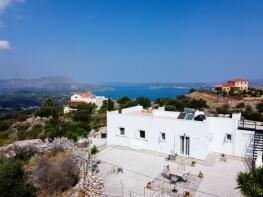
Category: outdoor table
[176,174]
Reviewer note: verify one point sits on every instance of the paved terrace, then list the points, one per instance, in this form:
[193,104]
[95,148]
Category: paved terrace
[140,167]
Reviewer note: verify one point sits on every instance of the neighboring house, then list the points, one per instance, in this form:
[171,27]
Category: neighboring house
[233,85]
[187,133]
[85,97]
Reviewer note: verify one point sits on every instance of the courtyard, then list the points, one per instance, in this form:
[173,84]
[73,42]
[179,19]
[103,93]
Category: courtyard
[126,172]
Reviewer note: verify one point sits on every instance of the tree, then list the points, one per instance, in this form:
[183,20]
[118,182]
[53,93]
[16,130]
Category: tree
[192,90]
[251,183]
[48,103]
[14,181]
[260,107]
[84,112]
[145,102]
[197,104]
[125,102]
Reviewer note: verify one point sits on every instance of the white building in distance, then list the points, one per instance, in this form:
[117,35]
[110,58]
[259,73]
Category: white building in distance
[85,97]
[187,133]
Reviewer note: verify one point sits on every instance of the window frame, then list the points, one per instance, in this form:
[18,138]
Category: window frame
[163,134]
[226,137]
[120,129]
[141,130]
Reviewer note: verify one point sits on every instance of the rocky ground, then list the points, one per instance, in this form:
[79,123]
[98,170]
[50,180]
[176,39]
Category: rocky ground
[89,183]
[213,100]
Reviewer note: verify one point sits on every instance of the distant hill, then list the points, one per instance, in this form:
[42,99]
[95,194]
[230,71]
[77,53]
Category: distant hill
[57,83]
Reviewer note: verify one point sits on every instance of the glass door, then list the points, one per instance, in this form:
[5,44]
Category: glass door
[185,145]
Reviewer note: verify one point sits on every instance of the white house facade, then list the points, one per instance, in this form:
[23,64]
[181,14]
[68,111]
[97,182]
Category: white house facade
[174,132]
[85,97]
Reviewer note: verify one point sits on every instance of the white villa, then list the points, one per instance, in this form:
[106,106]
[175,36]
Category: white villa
[85,97]
[188,133]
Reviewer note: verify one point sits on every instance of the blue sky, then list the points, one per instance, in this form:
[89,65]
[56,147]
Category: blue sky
[132,41]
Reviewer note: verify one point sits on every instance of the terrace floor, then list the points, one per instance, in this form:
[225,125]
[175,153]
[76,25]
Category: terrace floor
[140,167]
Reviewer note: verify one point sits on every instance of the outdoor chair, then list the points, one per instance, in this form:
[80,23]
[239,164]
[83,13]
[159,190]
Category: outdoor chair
[185,177]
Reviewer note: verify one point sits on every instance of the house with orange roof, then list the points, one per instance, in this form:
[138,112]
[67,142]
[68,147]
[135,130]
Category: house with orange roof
[233,85]
[84,97]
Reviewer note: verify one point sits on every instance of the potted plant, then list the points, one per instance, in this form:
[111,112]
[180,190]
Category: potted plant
[187,194]
[193,163]
[149,185]
[201,175]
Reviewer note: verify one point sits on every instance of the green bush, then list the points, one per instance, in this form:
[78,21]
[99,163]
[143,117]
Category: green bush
[21,135]
[125,102]
[34,132]
[260,107]
[14,181]
[240,105]
[145,102]
[3,126]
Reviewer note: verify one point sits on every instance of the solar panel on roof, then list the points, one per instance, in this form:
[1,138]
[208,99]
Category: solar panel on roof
[189,117]
[181,115]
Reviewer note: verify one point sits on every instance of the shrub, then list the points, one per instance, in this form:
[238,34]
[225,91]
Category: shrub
[56,175]
[14,181]
[240,105]
[57,149]
[24,153]
[260,107]
[34,132]
[21,135]
[94,150]
[251,183]
[22,126]
[22,117]
[3,126]
[223,110]
[145,102]
[72,135]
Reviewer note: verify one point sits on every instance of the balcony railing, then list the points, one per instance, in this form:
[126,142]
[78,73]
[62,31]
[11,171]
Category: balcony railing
[250,125]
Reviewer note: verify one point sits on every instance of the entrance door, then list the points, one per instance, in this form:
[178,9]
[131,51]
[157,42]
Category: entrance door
[185,145]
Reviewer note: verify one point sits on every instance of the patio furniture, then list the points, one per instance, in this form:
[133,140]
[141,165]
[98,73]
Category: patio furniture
[172,157]
[174,190]
[185,177]
[176,175]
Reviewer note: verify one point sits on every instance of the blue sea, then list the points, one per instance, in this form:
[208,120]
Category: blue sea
[134,91]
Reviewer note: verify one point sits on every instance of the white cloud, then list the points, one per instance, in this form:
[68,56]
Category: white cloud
[4,44]
[5,3]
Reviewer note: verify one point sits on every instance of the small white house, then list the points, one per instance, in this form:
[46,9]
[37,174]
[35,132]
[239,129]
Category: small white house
[187,133]
[85,97]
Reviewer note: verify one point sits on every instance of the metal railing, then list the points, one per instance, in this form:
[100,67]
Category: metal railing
[250,125]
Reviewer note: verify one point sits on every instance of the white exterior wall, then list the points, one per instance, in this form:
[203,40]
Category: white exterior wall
[97,100]
[219,127]
[205,136]
[153,126]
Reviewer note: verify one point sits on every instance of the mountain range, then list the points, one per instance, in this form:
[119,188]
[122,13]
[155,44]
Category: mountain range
[54,83]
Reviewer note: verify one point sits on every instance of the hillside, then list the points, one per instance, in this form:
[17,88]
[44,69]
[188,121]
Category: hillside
[213,100]
[56,83]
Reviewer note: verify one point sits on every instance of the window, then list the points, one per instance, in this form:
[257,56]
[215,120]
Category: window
[122,131]
[163,136]
[228,137]
[142,134]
